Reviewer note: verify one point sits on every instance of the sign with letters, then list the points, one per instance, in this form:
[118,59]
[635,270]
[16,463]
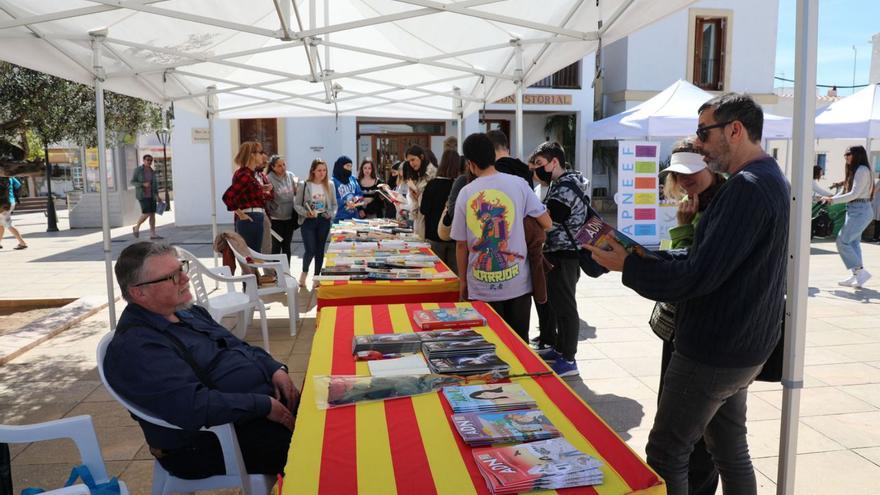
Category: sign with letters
[638,163]
[537,99]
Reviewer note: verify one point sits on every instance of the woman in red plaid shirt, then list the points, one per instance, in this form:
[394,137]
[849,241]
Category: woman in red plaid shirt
[248,196]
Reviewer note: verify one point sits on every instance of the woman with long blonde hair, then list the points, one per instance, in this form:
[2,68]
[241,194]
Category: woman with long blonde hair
[246,197]
[316,205]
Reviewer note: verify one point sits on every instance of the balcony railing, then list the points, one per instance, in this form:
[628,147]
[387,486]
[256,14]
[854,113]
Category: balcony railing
[565,78]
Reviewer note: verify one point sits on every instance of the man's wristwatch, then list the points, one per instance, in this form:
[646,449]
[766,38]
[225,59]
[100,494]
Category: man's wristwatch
[285,368]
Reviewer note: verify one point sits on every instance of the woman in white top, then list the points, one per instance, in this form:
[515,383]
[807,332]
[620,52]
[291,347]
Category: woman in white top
[422,172]
[858,186]
[316,205]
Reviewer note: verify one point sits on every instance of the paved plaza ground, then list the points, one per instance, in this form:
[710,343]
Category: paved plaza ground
[619,359]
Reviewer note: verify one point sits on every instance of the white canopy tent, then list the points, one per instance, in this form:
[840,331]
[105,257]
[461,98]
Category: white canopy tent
[389,58]
[855,117]
[671,113]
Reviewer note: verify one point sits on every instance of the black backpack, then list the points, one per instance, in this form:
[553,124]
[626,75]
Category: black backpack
[821,225]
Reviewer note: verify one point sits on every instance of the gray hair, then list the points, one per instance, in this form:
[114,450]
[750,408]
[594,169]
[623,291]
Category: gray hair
[130,264]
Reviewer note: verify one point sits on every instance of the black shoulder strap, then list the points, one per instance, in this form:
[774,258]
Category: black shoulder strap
[184,354]
[585,200]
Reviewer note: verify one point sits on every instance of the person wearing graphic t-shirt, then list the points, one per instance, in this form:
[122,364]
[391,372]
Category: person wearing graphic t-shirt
[349,195]
[315,203]
[487,226]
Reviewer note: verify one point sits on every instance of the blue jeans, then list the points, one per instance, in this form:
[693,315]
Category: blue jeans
[701,400]
[251,230]
[314,233]
[858,216]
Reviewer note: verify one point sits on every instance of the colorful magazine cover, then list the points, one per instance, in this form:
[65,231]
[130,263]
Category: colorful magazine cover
[386,343]
[596,232]
[428,319]
[503,427]
[468,364]
[449,335]
[545,464]
[453,347]
[488,398]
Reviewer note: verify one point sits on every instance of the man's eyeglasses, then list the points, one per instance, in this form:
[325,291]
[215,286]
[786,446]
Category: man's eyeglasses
[174,277]
[703,132]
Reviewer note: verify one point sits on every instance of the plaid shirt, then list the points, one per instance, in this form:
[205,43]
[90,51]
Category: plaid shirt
[246,190]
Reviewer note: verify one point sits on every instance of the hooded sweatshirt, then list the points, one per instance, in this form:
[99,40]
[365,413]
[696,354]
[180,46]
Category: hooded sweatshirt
[347,189]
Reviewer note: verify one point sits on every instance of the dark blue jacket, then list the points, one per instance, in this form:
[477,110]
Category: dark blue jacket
[144,367]
[730,288]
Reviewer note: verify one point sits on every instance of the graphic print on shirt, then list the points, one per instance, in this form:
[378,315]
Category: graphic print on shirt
[346,194]
[490,216]
[318,201]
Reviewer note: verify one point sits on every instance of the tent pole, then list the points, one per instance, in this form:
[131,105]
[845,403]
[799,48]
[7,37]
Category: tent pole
[459,119]
[98,37]
[518,58]
[803,133]
[212,109]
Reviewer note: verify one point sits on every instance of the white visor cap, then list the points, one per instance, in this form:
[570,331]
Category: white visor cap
[686,163]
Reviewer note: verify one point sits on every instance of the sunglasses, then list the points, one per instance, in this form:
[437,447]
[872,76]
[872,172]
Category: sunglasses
[174,277]
[703,131]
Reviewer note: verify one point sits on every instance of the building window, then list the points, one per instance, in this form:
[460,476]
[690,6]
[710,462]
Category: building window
[263,131]
[710,37]
[565,78]
[820,160]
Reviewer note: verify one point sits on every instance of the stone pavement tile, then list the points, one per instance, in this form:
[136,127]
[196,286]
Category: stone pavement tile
[651,381]
[117,444]
[858,352]
[871,333]
[641,366]
[138,476]
[763,438]
[586,350]
[823,473]
[758,409]
[869,393]
[144,453]
[625,415]
[54,475]
[298,363]
[819,325]
[103,415]
[46,392]
[875,364]
[871,453]
[30,413]
[844,374]
[852,322]
[825,355]
[99,395]
[616,350]
[611,389]
[837,337]
[600,368]
[626,334]
[853,430]
[820,401]
[638,439]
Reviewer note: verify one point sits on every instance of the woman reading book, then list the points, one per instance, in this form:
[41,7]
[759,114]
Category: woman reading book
[315,203]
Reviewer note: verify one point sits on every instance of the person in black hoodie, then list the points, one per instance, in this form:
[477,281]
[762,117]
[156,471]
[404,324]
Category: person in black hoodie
[505,163]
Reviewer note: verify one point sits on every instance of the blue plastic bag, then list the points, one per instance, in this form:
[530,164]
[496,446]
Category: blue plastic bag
[82,472]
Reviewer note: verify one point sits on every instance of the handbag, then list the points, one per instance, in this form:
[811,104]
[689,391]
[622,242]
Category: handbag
[662,320]
[160,207]
[444,232]
[82,472]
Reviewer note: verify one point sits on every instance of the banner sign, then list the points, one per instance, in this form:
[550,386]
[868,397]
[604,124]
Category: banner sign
[637,211]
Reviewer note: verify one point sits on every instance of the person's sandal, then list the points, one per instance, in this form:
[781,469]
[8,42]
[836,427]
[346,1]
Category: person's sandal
[20,247]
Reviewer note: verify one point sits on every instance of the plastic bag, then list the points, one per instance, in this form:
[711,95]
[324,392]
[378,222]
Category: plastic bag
[344,390]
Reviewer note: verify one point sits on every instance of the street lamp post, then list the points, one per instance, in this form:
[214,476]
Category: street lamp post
[164,137]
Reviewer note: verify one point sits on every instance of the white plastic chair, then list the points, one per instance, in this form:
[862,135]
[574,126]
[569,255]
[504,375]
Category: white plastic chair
[284,281]
[230,302]
[164,482]
[81,430]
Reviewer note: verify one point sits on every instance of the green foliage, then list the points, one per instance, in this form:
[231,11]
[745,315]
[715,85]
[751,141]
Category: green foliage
[561,127]
[56,109]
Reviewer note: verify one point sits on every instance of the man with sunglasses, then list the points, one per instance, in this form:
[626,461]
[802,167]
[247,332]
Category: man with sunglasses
[171,359]
[729,294]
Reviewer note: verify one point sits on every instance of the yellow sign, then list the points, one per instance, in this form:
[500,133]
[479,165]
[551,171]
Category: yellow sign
[538,100]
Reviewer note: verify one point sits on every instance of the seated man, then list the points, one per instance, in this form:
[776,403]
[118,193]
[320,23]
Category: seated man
[173,361]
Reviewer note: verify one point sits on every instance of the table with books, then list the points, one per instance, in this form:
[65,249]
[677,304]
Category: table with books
[375,419]
[421,277]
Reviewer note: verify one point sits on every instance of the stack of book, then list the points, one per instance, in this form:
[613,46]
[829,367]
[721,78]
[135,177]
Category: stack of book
[449,348]
[386,343]
[545,465]
[449,335]
[469,364]
[488,398]
[429,319]
[479,429]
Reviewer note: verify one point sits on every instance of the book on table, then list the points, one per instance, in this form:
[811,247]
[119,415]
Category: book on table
[429,319]
[596,232]
[413,364]
[543,465]
[451,334]
[469,364]
[440,349]
[478,429]
[386,343]
[488,398]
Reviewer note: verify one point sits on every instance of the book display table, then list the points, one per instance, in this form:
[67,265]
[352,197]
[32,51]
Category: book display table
[409,445]
[355,292]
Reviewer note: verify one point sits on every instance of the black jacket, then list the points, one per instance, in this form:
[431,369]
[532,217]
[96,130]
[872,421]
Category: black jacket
[513,166]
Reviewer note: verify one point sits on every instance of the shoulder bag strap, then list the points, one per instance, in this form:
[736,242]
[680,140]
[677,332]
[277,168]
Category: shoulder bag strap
[590,212]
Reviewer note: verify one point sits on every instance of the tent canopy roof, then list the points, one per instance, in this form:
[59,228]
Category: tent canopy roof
[671,113]
[388,58]
[856,116]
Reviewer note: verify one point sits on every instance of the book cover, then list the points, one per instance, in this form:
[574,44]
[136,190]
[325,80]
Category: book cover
[386,343]
[489,397]
[438,335]
[414,364]
[468,364]
[451,347]
[428,319]
[502,427]
[596,232]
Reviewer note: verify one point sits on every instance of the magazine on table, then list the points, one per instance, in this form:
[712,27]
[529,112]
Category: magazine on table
[542,465]
[477,429]
[596,232]
[386,343]
[413,364]
[488,398]
[439,349]
[437,335]
[428,319]
[469,364]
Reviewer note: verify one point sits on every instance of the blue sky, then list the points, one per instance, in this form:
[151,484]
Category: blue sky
[842,24]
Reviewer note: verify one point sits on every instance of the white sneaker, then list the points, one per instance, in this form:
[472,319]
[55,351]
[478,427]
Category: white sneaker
[848,282]
[862,276]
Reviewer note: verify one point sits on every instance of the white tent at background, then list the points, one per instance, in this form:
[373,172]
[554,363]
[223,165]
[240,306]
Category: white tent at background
[671,113]
[855,117]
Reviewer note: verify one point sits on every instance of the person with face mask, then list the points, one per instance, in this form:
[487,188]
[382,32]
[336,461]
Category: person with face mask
[561,312]
[348,191]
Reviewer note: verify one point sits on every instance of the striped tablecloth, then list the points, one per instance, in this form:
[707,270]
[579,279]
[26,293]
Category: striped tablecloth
[355,292]
[408,445]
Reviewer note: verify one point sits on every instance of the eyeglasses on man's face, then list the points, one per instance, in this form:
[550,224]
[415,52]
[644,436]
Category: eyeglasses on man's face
[174,277]
[703,131]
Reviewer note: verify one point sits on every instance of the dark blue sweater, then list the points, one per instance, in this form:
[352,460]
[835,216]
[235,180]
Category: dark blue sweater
[730,288]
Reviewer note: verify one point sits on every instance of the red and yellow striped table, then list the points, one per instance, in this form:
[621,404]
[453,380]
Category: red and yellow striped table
[355,292]
[408,445]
